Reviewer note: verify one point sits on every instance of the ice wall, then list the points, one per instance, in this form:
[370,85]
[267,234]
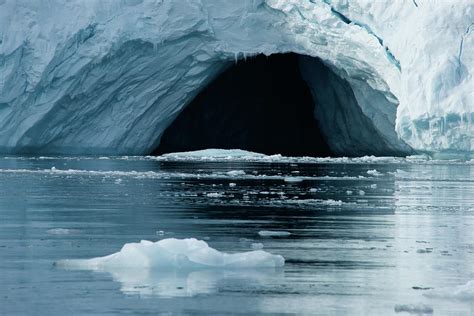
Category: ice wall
[108,76]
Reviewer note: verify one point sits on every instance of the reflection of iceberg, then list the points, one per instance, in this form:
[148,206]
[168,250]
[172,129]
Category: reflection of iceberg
[179,283]
[178,267]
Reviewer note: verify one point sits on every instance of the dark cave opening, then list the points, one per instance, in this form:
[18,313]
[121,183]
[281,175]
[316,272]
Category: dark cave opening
[261,104]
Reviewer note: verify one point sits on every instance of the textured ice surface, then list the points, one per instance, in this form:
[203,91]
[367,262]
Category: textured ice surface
[110,76]
[171,253]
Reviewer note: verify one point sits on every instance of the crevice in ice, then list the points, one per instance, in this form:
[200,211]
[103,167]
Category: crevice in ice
[461,47]
[390,56]
[414,2]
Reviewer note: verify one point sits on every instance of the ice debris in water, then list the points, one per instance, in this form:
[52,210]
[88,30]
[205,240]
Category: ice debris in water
[460,292]
[215,194]
[235,173]
[293,179]
[274,233]
[374,172]
[61,231]
[418,309]
[171,253]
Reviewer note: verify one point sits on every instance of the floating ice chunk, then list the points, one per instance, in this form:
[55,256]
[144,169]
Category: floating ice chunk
[62,231]
[232,184]
[361,192]
[418,309]
[215,194]
[235,173]
[274,233]
[213,154]
[293,179]
[460,292]
[374,172]
[349,192]
[171,253]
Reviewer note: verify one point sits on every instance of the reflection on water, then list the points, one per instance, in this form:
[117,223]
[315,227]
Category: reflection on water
[188,283]
[361,242]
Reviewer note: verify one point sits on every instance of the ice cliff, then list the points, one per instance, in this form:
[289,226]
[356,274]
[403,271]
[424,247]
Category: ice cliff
[109,76]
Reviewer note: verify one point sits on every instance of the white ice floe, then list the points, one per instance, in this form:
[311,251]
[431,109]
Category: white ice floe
[62,231]
[374,172]
[171,253]
[459,292]
[215,194]
[274,233]
[329,202]
[293,179]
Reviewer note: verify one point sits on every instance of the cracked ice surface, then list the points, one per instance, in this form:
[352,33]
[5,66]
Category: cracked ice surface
[109,76]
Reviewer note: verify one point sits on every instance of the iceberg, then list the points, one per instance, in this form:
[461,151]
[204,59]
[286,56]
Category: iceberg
[171,254]
[109,77]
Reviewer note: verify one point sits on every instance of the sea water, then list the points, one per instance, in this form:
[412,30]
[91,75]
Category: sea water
[362,236]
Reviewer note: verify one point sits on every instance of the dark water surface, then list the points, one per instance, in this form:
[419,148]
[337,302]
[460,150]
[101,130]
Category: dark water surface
[361,243]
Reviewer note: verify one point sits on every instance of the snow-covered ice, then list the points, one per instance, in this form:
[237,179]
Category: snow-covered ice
[112,78]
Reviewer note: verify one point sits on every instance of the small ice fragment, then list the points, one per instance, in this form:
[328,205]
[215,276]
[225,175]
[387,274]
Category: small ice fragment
[374,172]
[53,168]
[215,195]
[234,173]
[61,231]
[418,309]
[118,181]
[274,233]
[160,232]
[361,192]
[257,245]
[293,179]
[232,184]
[313,190]
[349,192]
[373,186]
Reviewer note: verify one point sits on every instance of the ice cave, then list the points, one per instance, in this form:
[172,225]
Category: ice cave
[123,75]
[279,104]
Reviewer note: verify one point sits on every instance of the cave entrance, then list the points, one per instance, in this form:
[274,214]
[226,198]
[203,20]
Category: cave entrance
[260,104]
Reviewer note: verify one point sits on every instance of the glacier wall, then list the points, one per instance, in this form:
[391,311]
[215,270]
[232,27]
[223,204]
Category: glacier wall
[109,76]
